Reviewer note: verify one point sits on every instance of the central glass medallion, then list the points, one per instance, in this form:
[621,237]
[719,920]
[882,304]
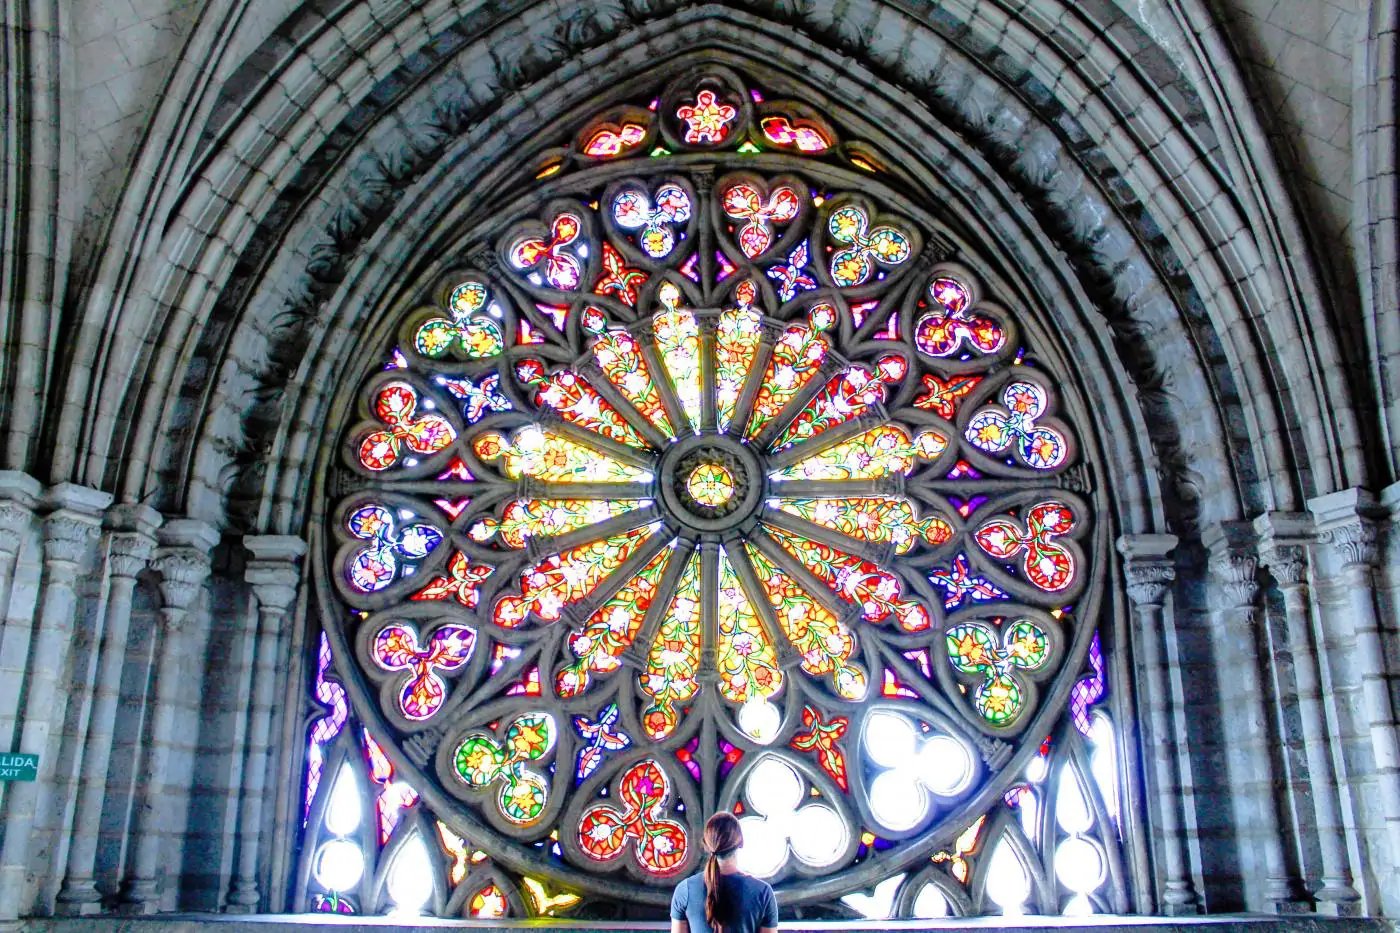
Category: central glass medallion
[711,483]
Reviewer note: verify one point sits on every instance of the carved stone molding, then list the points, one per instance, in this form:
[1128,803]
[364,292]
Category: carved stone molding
[15,518]
[273,572]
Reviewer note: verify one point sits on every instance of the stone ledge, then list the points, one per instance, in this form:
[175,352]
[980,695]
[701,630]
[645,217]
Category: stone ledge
[301,923]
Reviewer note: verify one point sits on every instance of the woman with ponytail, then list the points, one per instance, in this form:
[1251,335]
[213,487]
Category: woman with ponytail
[721,898]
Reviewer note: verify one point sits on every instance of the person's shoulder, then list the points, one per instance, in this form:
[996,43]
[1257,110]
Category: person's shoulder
[757,885]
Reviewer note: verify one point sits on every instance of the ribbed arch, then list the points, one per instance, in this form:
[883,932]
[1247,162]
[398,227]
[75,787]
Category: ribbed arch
[253,192]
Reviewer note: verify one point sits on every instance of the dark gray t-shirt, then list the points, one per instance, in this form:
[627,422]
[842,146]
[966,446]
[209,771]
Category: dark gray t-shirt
[754,905]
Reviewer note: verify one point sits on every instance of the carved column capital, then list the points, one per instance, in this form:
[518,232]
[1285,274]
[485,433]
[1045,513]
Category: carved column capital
[18,492]
[67,535]
[182,561]
[1354,542]
[1346,522]
[1234,563]
[1283,546]
[1148,568]
[129,553]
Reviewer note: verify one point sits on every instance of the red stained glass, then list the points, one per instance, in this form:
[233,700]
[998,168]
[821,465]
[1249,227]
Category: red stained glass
[659,845]
[1047,564]
[397,406]
[448,648]
[823,738]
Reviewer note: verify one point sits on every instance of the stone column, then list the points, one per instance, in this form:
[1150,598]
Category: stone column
[274,577]
[1150,572]
[1233,563]
[1345,522]
[129,546]
[1283,549]
[19,493]
[183,565]
[68,532]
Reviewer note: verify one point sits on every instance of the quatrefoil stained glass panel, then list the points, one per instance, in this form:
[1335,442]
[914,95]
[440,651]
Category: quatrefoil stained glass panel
[704,487]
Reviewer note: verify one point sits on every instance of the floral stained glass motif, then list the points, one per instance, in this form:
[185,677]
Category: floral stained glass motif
[396,649]
[597,646]
[797,360]
[525,519]
[847,396]
[566,577]
[1016,427]
[877,521]
[619,280]
[823,738]
[791,278]
[555,255]
[553,458]
[748,664]
[736,342]
[578,402]
[659,845]
[678,339]
[462,582]
[481,761]
[945,331]
[465,333]
[745,203]
[390,548]
[858,581]
[1047,564]
[671,665]
[973,649]
[600,737]
[863,247]
[880,451]
[717,506]
[623,365]
[655,223]
[408,431]
[326,727]
[707,121]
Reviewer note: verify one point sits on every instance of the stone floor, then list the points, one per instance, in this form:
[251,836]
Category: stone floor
[302,923]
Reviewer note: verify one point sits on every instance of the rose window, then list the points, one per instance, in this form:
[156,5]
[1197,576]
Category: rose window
[709,479]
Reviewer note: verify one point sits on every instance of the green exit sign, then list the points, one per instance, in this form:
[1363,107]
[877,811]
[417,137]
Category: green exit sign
[19,767]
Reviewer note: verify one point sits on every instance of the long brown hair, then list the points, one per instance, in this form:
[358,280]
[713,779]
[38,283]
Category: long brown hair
[722,837]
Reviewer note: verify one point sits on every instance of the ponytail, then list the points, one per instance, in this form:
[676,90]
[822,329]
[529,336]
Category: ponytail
[723,837]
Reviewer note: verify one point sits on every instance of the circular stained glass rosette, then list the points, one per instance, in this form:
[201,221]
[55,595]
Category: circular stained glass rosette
[733,499]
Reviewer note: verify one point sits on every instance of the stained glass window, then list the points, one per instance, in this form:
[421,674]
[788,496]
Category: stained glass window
[722,484]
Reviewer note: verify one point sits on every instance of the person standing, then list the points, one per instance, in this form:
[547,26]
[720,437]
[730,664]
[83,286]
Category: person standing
[722,899]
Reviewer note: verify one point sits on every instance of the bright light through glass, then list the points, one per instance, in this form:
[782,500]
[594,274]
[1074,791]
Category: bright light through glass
[411,877]
[930,904]
[760,719]
[897,801]
[774,789]
[889,739]
[879,904]
[819,835]
[946,765]
[764,850]
[1071,809]
[1008,886]
[1103,763]
[1079,865]
[343,809]
[339,865]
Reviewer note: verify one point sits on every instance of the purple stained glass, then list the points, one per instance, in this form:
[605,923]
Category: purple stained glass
[324,730]
[1088,690]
